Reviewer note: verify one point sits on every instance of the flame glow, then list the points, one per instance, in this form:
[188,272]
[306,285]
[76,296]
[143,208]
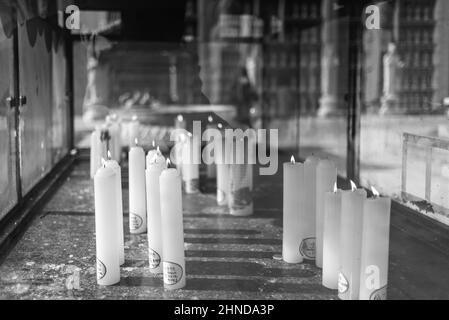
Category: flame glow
[134,118]
[219,126]
[335,187]
[180,118]
[158,150]
[210,119]
[109,155]
[136,141]
[103,162]
[292,160]
[168,162]
[153,143]
[375,192]
[353,186]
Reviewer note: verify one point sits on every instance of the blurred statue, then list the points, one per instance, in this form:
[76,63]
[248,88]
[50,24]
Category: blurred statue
[391,79]
[244,97]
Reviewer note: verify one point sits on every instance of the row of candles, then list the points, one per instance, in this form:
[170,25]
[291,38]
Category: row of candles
[344,231]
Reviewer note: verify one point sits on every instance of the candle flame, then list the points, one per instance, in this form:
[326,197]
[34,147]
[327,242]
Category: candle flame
[335,187]
[136,141]
[353,186]
[168,162]
[109,155]
[375,192]
[114,116]
[103,162]
[134,118]
[180,118]
[292,159]
[210,119]
[153,143]
[219,126]
[189,134]
[158,150]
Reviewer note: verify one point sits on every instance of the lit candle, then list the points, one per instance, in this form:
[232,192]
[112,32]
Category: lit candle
[350,243]
[326,176]
[106,229]
[179,122]
[152,153]
[331,238]
[133,130]
[190,168]
[118,182]
[137,202]
[308,222]
[222,173]
[95,152]
[153,171]
[293,204]
[211,169]
[375,245]
[172,229]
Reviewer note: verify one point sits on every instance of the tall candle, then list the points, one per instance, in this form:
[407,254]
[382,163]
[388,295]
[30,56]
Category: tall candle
[95,152]
[293,205]
[133,131]
[375,245]
[190,169]
[106,229]
[240,199]
[350,244]
[211,169]
[307,247]
[331,238]
[172,229]
[118,183]
[153,171]
[137,201]
[223,167]
[326,176]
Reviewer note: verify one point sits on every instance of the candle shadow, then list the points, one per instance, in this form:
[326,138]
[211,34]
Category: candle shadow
[221,231]
[245,241]
[225,268]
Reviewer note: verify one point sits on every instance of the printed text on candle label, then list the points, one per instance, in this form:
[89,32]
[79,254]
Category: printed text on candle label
[136,221]
[101,269]
[155,259]
[372,280]
[307,248]
[172,272]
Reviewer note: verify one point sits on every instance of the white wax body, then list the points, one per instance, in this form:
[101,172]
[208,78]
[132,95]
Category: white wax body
[154,231]
[133,132]
[240,199]
[95,152]
[375,245]
[172,229]
[190,170]
[351,224]
[293,206]
[116,144]
[222,184]
[308,220]
[326,177]
[331,239]
[118,182]
[137,201]
[211,169]
[153,156]
[106,229]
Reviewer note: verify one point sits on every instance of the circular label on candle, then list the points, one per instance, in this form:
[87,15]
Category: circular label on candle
[135,221]
[172,272]
[379,294]
[101,269]
[343,284]
[307,248]
[155,259]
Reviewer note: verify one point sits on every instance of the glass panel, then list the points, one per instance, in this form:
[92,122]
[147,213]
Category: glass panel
[35,45]
[8,192]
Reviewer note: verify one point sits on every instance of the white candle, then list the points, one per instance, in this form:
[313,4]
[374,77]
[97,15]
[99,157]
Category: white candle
[172,229]
[308,222]
[350,243]
[95,152]
[115,129]
[222,172]
[190,169]
[153,171]
[118,182]
[326,176]
[375,245]
[331,238]
[211,169]
[106,229]
[293,205]
[240,199]
[133,130]
[137,202]
[153,154]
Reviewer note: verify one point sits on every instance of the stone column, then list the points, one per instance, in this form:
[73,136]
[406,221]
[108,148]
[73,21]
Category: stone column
[334,59]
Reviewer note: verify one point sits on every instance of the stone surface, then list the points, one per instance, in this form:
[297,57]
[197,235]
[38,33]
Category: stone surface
[226,257]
